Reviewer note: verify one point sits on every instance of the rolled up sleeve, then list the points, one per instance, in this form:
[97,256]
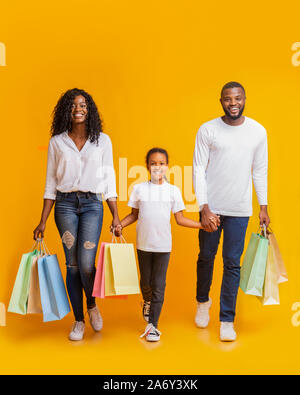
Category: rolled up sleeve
[109,172]
[51,181]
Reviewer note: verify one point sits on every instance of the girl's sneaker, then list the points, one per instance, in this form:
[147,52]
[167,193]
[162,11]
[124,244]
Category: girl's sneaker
[146,310]
[77,331]
[151,333]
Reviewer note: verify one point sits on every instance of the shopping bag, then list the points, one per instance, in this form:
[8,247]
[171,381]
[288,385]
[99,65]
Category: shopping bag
[271,290]
[34,305]
[254,265]
[282,273]
[121,277]
[19,296]
[98,289]
[55,303]
[2,314]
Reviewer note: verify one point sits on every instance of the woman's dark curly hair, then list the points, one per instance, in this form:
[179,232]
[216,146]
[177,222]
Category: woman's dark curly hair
[62,121]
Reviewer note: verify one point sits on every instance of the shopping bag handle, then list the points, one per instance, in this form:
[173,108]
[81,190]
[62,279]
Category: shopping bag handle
[262,230]
[41,246]
[114,238]
[37,245]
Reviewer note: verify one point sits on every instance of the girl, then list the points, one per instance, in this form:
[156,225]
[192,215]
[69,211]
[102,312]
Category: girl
[79,171]
[151,204]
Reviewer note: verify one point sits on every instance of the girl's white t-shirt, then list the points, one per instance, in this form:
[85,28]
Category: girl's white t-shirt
[155,203]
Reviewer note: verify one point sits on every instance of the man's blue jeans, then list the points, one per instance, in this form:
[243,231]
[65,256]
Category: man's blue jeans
[78,217]
[234,231]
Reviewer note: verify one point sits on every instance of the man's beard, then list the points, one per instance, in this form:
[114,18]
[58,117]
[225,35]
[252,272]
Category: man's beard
[234,117]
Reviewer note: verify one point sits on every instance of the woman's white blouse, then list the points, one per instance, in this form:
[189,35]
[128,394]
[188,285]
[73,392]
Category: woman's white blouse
[88,170]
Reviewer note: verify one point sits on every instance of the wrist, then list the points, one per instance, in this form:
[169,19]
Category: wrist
[206,211]
[264,208]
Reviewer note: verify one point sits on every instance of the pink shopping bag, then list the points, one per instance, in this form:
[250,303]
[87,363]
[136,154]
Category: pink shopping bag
[98,290]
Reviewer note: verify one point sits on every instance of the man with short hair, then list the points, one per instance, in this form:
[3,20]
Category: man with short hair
[230,152]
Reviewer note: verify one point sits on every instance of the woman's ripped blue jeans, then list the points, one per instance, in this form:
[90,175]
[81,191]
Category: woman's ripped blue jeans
[78,217]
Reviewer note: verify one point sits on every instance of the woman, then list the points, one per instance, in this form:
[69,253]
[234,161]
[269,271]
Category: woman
[79,171]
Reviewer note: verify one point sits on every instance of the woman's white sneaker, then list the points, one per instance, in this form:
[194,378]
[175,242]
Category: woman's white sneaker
[227,332]
[77,331]
[96,320]
[202,314]
[151,333]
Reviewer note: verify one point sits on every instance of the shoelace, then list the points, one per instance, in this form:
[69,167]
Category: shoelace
[77,327]
[151,329]
[227,325]
[93,314]
[204,306]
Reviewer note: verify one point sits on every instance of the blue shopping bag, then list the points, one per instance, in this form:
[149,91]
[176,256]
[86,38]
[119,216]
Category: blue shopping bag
[55,303]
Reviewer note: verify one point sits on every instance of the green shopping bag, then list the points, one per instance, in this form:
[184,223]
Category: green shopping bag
[254,265]
[19,296]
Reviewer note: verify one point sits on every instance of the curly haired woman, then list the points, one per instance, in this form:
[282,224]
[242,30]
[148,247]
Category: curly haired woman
[79,172]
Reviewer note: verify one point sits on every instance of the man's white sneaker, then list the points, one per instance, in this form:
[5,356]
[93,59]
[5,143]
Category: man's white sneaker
[227,332]
[77,330]
[96,320]
[151,333]
[202,314]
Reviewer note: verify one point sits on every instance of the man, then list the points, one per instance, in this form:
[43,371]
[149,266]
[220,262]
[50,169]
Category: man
[230,152]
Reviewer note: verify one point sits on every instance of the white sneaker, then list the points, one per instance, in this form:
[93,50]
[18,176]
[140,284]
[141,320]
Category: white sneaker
[151,333]
[227,332]
[202,314]
[77,330]
[146,310]
[96,320]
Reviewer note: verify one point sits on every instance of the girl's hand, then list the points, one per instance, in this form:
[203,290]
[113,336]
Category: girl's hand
[214,221]
[39,231]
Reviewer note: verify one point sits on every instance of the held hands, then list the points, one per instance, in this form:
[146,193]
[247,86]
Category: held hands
[209,220]
[116,227]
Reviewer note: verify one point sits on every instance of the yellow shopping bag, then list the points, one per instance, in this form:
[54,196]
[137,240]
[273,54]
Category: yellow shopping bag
[271,290]
[121,276]
[2,314]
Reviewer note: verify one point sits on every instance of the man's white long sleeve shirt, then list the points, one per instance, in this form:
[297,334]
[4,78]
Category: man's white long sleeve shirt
[226,160]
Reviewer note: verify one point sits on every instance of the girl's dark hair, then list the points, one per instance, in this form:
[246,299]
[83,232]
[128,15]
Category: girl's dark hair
[62,121]
[155,150]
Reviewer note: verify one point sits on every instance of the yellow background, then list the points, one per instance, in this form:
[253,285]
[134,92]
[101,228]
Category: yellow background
[155,70]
